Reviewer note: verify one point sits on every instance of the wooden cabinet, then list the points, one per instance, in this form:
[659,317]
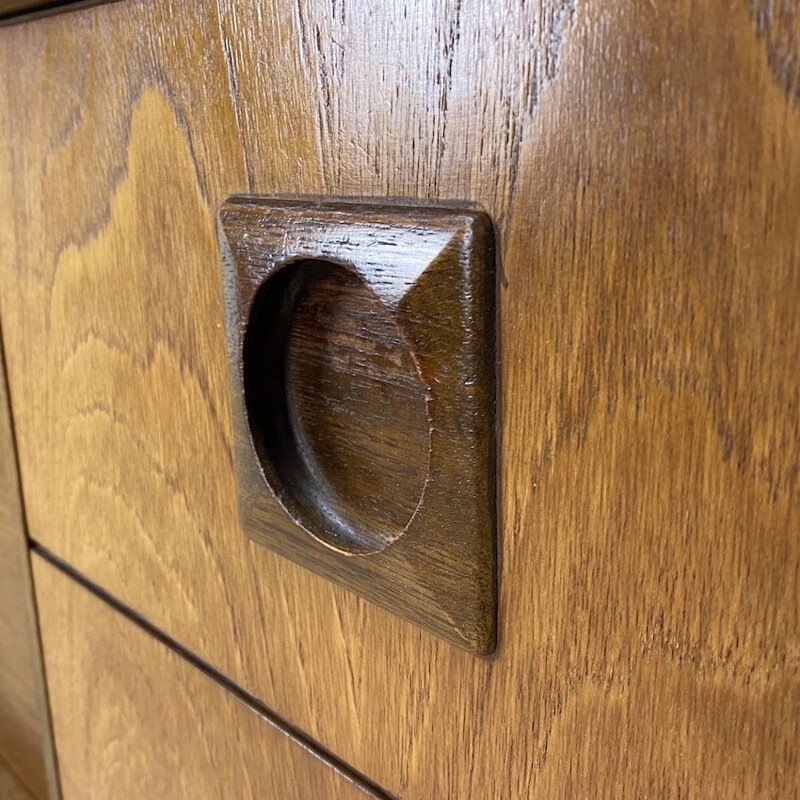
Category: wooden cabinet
[641,164]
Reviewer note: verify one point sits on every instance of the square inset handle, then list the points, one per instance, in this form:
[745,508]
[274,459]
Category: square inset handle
[362,355]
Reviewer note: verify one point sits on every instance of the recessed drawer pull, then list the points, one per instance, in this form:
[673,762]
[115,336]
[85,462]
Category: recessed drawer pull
[362,365]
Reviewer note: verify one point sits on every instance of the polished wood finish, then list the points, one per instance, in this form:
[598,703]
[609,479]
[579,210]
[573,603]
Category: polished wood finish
[642,161]
[361,345]
[133,720]
[24,729]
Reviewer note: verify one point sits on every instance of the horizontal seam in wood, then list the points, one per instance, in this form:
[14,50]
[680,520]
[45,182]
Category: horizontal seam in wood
[279,722]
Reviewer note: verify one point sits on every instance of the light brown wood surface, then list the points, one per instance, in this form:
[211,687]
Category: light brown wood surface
[133,720]
[642,162]
[24,733]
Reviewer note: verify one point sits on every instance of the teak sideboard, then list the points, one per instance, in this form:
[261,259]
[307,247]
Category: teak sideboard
[522,517]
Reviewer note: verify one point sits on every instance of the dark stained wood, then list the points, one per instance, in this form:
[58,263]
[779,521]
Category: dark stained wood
[335,406]
[356,405]
[13,12]
[642,163]
[8,7]
[134,720]
[25,743]
[362,376]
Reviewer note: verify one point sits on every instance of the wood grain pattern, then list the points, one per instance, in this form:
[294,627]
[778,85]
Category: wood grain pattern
[428,275]
[357,403]
[24,729]
[132,719]
[778,24]
[644,166]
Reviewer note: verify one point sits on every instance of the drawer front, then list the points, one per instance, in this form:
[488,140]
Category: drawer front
[641,164]
[132,719]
